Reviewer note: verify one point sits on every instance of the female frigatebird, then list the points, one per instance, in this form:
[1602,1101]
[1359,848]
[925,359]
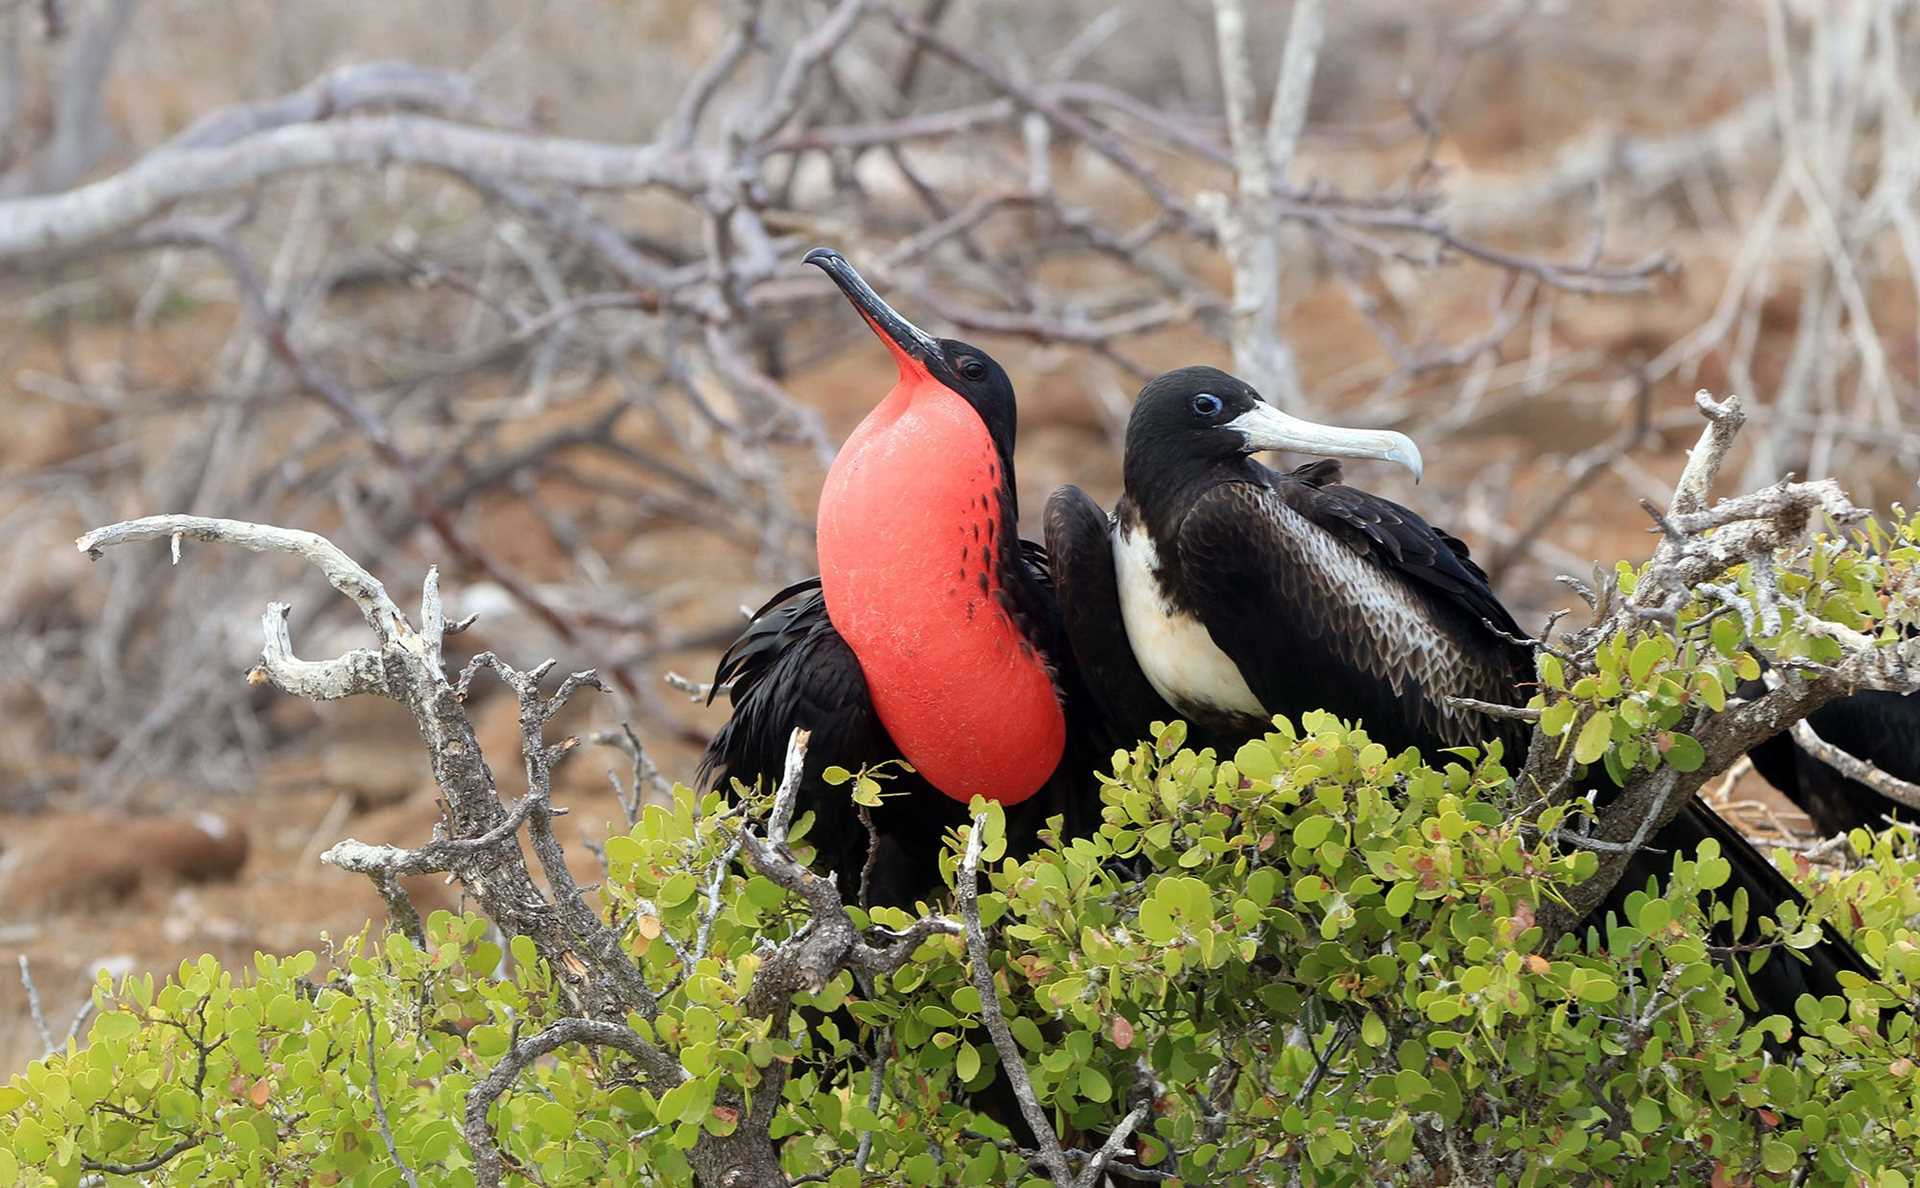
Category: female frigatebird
[1231,592]
[931,634]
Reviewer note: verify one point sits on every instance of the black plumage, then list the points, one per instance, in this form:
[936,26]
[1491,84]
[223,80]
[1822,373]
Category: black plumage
[789,668]
[1320,596]
[1881,728]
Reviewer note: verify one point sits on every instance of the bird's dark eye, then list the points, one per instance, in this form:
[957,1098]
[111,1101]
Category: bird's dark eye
[971,368]
[1206,404]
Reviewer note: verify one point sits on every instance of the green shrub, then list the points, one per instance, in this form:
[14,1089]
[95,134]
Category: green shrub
[1328,971]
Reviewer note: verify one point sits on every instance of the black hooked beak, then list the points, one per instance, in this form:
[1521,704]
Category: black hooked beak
[908,342]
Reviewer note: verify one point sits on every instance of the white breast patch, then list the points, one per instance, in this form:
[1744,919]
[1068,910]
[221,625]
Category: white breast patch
[1174,649]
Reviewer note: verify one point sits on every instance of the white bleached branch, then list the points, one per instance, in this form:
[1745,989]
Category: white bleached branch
[343,572]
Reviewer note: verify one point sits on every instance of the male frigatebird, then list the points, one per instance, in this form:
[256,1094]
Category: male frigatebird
[931,634]
[1881,728]
[1231,592]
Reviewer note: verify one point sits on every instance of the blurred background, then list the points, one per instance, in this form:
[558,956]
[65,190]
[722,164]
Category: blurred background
[515,290]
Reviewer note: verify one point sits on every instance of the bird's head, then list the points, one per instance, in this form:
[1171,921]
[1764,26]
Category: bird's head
[923,359]
[1201,416]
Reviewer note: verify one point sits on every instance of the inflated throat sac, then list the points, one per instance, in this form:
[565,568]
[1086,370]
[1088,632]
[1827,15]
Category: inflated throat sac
[910,542]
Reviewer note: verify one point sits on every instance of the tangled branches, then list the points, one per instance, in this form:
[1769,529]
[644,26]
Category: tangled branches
[478,843]
[1715,562]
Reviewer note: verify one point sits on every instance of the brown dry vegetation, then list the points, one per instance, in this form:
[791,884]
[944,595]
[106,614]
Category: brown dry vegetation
[115,876]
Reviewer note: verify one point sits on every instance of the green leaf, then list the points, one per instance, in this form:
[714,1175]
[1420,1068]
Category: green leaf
[835,776]
[623,850]
[1726,635]
[677,890]
[114,1025]
[1594,737]
[763,892]
[1647,653]
[1686,753]
[1557,718]
[1156,922]
[1711,691]
[1400,899]
[1778,1157]
[1646,1115]
[1312,831]
[1255,760]
[1596,987]
[1094,1085]
[1654,915]
[1372,1031]
[966,1061]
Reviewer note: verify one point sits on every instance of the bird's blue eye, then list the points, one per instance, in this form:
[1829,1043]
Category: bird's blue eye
[1206,404]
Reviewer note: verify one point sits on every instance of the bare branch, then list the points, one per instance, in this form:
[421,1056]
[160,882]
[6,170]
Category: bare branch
[1724,419]
[1096,1167]
[358,671]
[1494,709]
[81,133]
[488,1165]
[479,845]
[379,1104]
[1011,1062]
[33,1006]
[346,90]
[117,204]
[1249,226]
[1851,766]
[1306,32]
[342,572]
[436,857]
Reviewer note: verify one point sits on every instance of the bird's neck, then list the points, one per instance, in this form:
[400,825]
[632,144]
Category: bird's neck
[920,567]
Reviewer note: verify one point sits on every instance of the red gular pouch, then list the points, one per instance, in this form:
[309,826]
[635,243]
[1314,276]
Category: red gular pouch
[913,537]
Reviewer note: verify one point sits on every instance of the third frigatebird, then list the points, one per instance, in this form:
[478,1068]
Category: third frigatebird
[1881,728]
[1232,592]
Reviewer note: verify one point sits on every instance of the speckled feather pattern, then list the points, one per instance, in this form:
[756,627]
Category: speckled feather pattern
[1324,596]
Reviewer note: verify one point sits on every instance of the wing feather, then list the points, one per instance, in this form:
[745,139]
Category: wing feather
[789,668]
[1080,543]
[1331,598]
